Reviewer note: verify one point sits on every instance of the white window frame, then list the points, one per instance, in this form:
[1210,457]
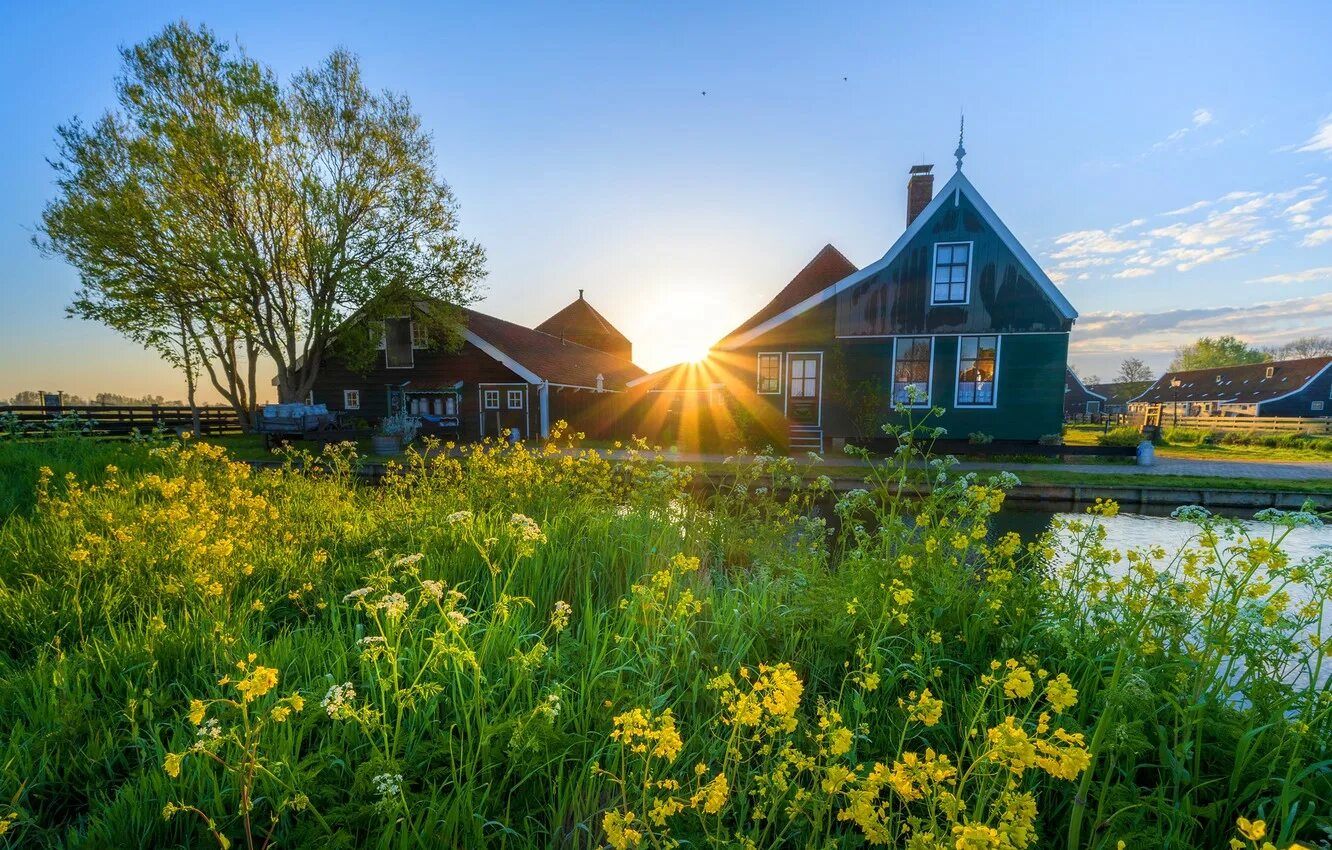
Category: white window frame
[510,395]
[786,386]
[758,373]
[892,376]
[420,336]
[957,373]
[347,396]
[486,396]
[1317,405]
[1269,372]
[966,286]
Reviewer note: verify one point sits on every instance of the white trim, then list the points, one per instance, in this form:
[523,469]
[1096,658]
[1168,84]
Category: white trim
[346,403]
[786,400]
[411,346]
[1077,381]
[966,284]
[926,333]
[1302,387]
[482,388]
[892,373]
[957,372]
[758,372]
[485,399]
[543,399]
[958,183]
[517,368]
[522,399]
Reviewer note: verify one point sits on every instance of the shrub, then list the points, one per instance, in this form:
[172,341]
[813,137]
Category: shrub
[979,438]
[1125,436]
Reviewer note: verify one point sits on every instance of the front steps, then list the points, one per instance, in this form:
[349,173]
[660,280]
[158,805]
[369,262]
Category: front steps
[806,438]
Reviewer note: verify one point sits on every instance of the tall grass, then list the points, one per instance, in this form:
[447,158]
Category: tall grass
[521,648]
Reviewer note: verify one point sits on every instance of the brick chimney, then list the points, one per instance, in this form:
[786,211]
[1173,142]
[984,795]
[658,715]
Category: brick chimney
[920,190]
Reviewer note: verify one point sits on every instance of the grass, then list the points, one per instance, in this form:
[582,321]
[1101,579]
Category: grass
[1187,445]
[528,648]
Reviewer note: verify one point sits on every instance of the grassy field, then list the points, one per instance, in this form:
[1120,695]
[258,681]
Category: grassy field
[539,649]
[1192,445]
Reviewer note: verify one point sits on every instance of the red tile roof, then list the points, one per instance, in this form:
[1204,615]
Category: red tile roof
[1245,384]
[828,266]
[551,358]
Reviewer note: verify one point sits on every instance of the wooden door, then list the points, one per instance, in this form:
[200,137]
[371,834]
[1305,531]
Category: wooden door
[804,387]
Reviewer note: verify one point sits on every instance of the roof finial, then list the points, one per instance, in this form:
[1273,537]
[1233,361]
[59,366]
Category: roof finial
[961,151]
[580,295]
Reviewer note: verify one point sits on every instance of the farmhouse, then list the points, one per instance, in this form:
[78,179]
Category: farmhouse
[1079,399]
[504,376]
[1280,388]
[956,315]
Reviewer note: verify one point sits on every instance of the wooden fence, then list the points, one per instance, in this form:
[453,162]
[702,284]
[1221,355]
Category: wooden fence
[119,421]
[1283,424]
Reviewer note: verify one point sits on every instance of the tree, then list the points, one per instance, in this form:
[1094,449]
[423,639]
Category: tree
[1211,352]
[218,216]
[1305,346]
[1133,369]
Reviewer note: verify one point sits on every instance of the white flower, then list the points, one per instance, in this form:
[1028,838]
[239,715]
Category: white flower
[388,784]
[406,560]
[394,605]
[370,640]
[337,702]
[210,728]
[527,529]
[459,518]
[357,593]
[457,619]
[550,706]
[434,588]
[1191,513]
[1292,519]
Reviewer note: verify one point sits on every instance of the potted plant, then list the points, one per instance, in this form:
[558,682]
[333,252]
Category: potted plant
[395,431]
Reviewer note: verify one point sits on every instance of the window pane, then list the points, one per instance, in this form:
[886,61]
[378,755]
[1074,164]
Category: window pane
[960,253]
[398,334]
[959,274]
[968,347]
[941,274]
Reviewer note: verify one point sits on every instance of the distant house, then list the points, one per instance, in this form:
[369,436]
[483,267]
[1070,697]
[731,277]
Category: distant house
[1079,400]
[956,315]
[505,376]
[1118,394]
[1279,388]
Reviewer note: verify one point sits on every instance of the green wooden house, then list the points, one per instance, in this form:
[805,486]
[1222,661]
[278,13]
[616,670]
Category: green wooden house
[957,315]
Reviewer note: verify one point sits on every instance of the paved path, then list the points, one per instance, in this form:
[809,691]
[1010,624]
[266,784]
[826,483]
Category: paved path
[1274,470]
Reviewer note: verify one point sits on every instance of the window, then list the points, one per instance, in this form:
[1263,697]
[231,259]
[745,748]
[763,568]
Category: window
[515,399]
[1316,405]
[1271,371]
[952,272]
[420,335]
[490,399]
[804,377]
[977,366]
[398,343]
[911,370]
[1093,408]
[769,373]
[351,399]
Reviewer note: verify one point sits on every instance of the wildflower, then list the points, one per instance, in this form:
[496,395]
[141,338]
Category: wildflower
[260,681]
[927,709]
[1018,682]
[1252,830]
[338,701]
[394,605]
[172,764]
[197,710]
[975,836]
[1061,694]
[1191,513]
[619,830]
[527,529]
[388,784]
[357,593]
[559,618]
[637,732]
[712,797]
[457,619]
[406,560]
[459,518]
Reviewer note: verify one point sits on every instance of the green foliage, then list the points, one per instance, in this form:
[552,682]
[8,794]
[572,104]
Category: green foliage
[1211,352]
[1123,436]
[541,648]
[979,438]
[1134,369]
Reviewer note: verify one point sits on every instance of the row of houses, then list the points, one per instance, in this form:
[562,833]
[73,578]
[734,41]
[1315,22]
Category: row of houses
[956,316]
[1296,388]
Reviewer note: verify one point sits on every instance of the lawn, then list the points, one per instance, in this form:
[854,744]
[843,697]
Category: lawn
[533,648]
[1187,445]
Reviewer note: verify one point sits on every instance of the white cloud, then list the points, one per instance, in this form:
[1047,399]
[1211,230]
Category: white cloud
[1193,207]
[1080,243]
[1201,117]
[1306,276]
[1321,140]
[1318,237]
[1136,271]
[1268,322]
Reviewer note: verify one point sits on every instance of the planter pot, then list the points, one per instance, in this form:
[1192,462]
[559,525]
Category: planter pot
[386,444]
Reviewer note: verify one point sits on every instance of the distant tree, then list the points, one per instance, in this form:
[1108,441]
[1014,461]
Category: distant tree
[218,216]
[1211,352]
[1090,379]
[1133,369]
[1305,346]
[31,398]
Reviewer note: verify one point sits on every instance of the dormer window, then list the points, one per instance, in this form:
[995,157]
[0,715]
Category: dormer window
[952,273]
[1271,371]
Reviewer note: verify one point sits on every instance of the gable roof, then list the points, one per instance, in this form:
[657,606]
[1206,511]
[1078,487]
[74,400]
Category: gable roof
[1245,384]
[1071,379]
[539,357]
[580,320]
[957,185]
[1119,392]
[828,266]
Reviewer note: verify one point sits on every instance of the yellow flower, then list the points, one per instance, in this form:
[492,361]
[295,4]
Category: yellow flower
[1061,694]
[713,795]
[619,832]
[172,764]
[197,710]
[1252,830]
[260,681]
[841,742]
[1018,683]
[927,709]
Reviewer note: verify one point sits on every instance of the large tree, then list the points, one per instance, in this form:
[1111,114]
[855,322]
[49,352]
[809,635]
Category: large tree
[1211,352]
[1134,369]
[219,216]
[1305,346]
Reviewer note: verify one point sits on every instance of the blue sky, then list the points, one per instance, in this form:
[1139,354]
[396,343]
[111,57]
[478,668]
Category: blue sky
[1167,163]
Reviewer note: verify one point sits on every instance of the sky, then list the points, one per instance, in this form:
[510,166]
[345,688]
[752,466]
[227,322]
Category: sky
[1166,163]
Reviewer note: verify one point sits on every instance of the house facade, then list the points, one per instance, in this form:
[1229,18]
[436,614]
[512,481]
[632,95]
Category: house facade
[1079,399]
[1300,387]
[956,315]
[504,377]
